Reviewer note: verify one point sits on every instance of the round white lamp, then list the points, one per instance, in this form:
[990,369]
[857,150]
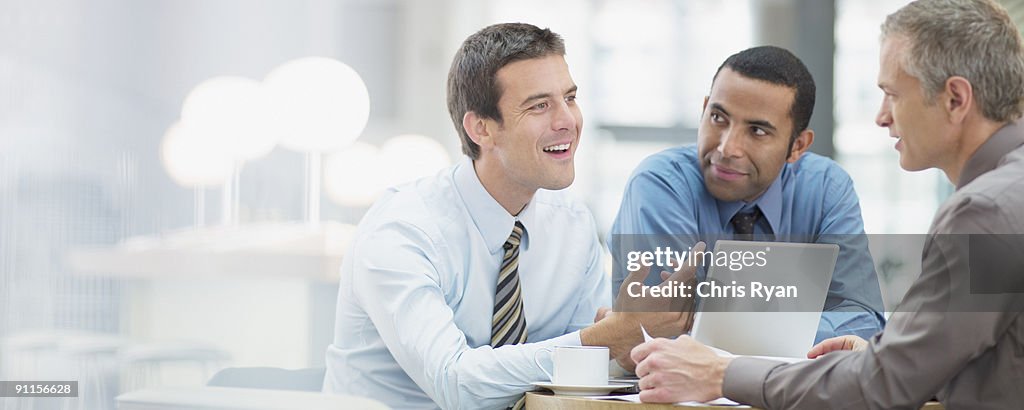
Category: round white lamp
[320,105]
[410,156]
[234,115]
[235,111]
[353,176]
[193,161]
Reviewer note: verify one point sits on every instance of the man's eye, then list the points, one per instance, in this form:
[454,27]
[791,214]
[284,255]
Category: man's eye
[541,106]
[760,132]
[717,118]
[570,98]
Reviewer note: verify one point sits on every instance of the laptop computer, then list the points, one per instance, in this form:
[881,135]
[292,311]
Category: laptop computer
[777,312]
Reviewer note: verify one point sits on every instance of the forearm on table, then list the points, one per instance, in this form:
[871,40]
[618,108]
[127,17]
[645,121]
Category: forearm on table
[851,320]
[480,377]
[888,374]
[620,333]
[821,383]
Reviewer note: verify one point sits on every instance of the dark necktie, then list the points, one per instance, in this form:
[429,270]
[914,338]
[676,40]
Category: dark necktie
[508,325]
[743,224]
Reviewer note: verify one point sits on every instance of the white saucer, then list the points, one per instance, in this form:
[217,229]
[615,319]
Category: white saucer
[582,390]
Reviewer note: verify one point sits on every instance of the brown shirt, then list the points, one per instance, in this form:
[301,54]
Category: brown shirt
[958,335]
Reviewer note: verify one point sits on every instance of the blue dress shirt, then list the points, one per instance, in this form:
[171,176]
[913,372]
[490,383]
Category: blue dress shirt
[811,198]
[416,295]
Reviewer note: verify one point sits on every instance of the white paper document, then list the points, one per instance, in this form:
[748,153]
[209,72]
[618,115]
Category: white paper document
[647,337]
[723,353]
[635,398]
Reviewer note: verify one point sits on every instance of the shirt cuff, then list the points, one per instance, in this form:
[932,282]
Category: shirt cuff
[744,380]
[568,339]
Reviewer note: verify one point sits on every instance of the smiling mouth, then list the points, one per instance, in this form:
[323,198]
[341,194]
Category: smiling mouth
[726,173]
[725,170]
[558,149]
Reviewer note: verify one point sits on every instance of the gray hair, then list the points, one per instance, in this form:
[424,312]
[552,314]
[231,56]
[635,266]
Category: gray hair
[973,39]
[472,79]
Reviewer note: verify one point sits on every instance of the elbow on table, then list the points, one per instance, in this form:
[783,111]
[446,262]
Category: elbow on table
[465,382]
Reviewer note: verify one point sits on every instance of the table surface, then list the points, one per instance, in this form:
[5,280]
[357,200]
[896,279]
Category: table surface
[206,397]
[548,401]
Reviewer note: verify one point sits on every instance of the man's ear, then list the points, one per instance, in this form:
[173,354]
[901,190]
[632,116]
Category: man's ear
[957,98]
[800,145]
[476,128]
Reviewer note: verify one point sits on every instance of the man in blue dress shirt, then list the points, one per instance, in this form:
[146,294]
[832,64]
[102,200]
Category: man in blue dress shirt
[750,175]
[454,282]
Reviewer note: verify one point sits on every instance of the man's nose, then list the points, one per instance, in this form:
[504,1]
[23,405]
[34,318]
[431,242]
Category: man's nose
[884,116]
[731,143]
[564,117]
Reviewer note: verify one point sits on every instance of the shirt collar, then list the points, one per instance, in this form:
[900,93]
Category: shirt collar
[991,152]
[491,219]
[770,203]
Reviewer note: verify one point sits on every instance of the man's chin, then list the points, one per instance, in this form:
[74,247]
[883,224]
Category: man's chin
[559,184]
[723,192]
[910,165]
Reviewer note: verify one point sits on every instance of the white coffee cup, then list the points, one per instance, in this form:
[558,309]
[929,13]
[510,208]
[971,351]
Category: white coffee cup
[576,365]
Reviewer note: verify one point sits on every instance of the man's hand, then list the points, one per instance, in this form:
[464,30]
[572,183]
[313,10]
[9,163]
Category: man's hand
[661,316]
[848,342]
[650,310]
[678,370]
[602,312]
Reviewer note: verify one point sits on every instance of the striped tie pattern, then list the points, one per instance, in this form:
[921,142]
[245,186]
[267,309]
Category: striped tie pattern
[508,325]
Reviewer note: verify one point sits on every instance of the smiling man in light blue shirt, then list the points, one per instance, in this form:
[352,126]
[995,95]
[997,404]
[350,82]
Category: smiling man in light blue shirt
[454,282]
[750,167]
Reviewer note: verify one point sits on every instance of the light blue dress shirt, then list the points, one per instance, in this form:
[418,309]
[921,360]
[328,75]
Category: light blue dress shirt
[812,198]
[417,288]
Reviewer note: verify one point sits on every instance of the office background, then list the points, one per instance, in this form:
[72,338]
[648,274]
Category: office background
[111,254]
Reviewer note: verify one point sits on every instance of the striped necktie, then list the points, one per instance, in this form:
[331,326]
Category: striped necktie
[508,325]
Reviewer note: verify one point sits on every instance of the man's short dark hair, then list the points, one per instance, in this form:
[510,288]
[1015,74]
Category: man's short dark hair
[778,66]
[472,81]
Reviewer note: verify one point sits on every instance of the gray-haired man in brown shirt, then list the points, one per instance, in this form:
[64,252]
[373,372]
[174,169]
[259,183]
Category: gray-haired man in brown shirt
[953,76]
